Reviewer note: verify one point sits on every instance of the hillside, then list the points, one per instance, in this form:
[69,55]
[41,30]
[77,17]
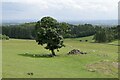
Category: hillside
[101,60]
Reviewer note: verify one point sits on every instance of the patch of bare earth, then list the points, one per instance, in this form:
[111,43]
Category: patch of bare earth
[105,67]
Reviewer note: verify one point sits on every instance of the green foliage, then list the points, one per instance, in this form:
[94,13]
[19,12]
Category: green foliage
[27,31]
[48,32]
[18,32]
[117,32]
[4,37]
[64,28]
[82,30]
[100,36]
[21,31]
[109,35]
[104,35]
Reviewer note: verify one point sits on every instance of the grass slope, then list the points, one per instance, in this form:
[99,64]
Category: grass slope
[100,62]
[0,59]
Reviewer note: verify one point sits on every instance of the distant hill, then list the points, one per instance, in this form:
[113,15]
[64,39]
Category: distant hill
[96,22]
[93,22]
[16,22]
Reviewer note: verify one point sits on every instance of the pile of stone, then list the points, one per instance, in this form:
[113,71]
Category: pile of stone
[76,51]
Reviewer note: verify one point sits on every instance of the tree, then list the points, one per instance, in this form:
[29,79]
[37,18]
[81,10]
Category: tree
[64,29]
[48,32]
[104,35]
[109,34]
[100,36]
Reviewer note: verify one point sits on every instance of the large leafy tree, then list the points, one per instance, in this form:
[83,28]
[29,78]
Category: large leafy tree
[48,34]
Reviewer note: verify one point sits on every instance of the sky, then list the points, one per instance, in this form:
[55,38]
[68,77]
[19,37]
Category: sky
[60,9]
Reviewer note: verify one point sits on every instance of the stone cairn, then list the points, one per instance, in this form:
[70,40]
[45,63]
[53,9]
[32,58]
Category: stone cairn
[76,51]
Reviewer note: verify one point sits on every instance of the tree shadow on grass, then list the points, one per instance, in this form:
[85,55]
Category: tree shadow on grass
[37,55]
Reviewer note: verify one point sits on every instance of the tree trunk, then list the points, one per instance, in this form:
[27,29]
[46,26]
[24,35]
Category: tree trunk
[53,53]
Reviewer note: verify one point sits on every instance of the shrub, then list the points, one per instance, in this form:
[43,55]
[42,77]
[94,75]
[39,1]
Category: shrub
[4,37]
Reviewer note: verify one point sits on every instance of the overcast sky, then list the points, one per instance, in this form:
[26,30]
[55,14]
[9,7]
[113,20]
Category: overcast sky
[60,9]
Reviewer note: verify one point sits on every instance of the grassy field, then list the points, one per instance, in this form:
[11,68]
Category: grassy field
[101,60]
[0,59]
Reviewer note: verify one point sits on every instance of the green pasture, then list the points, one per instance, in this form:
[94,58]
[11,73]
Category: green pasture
[101,60]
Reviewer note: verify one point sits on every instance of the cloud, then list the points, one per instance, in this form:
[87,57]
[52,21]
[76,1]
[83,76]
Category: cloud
[67,3]
[61,9]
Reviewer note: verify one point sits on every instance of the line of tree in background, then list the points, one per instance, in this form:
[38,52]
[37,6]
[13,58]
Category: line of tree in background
[23,31]
[101,34]
[106,34]
[26,31]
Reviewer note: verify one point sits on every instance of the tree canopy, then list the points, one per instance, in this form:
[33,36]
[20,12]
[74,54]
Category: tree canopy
[48,32]
[105,34]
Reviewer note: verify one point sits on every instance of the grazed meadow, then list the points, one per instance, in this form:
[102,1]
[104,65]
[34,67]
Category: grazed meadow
[101,60]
